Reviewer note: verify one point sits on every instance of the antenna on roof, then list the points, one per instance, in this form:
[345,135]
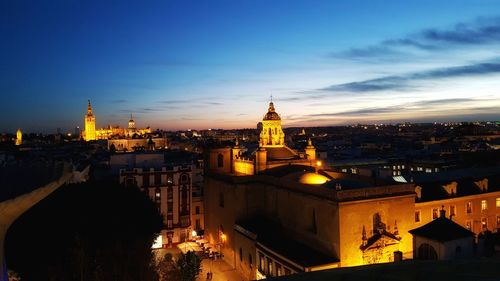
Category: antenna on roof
[271,97]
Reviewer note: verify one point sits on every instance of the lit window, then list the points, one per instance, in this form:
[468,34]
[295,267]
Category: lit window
[436,170]
[403,167]
[428,170]
[435,213]
[399,167]
[468,207]
[452,210]
[344,170]
[420,169]
[468,225]
[394,167]
[484,205]
[484,223]
[498,202]
[417,216]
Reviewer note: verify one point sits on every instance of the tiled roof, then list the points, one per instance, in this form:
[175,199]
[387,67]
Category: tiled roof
[442,230]
[274,237]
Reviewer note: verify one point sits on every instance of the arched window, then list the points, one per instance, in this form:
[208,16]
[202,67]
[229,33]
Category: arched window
[184,178]
[426,252]
[220,161]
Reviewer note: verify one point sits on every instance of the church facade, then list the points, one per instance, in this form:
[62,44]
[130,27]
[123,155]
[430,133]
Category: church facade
[272,151]
[91,132]
[276,212]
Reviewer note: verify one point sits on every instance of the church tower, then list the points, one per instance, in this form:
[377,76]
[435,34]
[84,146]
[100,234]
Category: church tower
[310,150]
[19,137]
[89,124]
[271,135]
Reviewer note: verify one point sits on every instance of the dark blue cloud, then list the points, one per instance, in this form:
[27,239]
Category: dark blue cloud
[415,106]
[404,82]
[478,32]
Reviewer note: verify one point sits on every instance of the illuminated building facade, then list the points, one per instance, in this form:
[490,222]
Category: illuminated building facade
[473,203]
[170,188]
[272,151]
[276,213]
[19,137]
[109,132]
[90,133]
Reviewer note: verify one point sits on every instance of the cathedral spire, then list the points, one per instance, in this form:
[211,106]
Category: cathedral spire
[89,108]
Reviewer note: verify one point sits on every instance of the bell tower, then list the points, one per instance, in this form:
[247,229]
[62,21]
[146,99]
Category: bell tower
[271,135]
[89,124]
[19,137]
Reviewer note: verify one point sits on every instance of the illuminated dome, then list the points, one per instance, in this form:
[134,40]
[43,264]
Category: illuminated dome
[271,113]
[313,178]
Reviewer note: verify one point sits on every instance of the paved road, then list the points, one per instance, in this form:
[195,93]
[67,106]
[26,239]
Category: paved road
[221,271]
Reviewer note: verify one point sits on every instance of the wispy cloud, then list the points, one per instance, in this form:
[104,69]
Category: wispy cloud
[484,30]
[426,105]
[404,82]
[119,101]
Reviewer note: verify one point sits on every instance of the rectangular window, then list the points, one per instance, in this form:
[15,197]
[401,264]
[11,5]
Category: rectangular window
[241,255]
[197,210]
[484,223]
[269,267]
[262,263]
[484,205]
[197,224]
[498,202]
[468,225]
[468,207]
[279,270]
[453,211]
[498,221]
[157,179]
[417,216]
[435,213]
[428,170]
[250,261]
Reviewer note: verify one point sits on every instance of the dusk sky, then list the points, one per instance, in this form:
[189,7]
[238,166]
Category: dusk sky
[214,64]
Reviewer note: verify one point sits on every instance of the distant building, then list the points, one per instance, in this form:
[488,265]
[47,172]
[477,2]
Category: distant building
[19,137]
[90,133]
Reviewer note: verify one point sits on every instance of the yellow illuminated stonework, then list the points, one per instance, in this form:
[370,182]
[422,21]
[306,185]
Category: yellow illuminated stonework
[92,133]
[19,137]
[272,135]
[89,133]
[313,178]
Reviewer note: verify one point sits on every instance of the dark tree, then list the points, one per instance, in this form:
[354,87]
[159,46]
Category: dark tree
[189,265]
[91,231]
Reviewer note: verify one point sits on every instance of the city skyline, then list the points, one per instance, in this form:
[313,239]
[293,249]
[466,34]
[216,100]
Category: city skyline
[181,65]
